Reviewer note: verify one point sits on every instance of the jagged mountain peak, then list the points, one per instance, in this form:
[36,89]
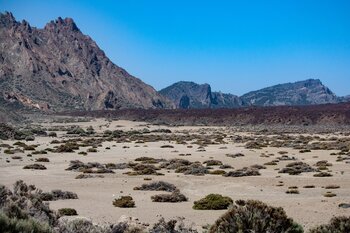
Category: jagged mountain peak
[60,68]
[62,24]
[7,19]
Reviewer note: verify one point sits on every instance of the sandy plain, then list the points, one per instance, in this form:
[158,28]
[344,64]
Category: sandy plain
[309,208]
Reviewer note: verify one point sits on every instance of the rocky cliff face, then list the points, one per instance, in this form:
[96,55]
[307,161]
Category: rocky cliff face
[192,95]
[307,92]
[60,68]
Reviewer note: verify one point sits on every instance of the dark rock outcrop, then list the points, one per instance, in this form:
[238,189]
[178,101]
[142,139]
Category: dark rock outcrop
[59,68]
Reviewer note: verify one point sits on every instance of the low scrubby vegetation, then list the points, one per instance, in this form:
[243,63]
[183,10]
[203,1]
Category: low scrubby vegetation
[35,166]
[124,202]
[175,196]
[157,186]
[67,212]
[57,194]
[213,202]
[22,210]
[335,225]
[246,171]
[296,168]
[255,216]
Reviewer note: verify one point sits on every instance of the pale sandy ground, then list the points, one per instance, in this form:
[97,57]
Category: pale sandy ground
[309,208]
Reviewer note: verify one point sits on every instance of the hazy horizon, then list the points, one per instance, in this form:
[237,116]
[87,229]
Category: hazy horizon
[235,47]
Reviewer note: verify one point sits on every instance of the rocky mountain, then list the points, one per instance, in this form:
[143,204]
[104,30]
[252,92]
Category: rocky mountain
[187,95]
[344,98]
[307,92]
[60,68]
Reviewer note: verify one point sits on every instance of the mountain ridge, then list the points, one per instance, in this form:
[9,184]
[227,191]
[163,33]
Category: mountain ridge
[58,68]
[306,92]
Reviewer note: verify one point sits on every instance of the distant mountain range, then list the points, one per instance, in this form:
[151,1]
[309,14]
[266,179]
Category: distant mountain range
[58,68]
[308,92]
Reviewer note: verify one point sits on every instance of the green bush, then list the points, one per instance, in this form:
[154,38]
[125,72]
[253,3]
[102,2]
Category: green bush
[255,216]
[124,202]
[213,202]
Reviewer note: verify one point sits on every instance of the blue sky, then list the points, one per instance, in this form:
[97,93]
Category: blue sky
[236,46]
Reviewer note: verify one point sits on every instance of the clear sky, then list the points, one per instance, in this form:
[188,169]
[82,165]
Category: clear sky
[236,46]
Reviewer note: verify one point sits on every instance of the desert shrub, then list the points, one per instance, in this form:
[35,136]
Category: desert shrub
[323,174]
[212,163]
[271,163]
[193,169]
[304,151]
[285,158]
[58,195]
[336,225]
[166,146]
[45,160]
[124,202]
[235,155]
[90,167]
[309,186]
[35,166]
[15,225]
[97,170]
[255,216]
[172,226]
[323,163]
[16,157]
[9,152]
[254,145]
[67,147]
[332,186]
[67,212]
[85,176]
[157,186]
[246,171]
[77,130]
[148,160]
[24,202]
[30,138]
[225,166]
[52,134]
[39,152]
[144,169]
[296,168]
[121,166]
[81,225]
[344,205]
[217,172]
[92,150]
[175,163]
[329,194]
[292,191]
[175,196]
[213,202]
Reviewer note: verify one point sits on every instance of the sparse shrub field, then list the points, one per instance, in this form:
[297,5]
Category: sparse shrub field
[142,171]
